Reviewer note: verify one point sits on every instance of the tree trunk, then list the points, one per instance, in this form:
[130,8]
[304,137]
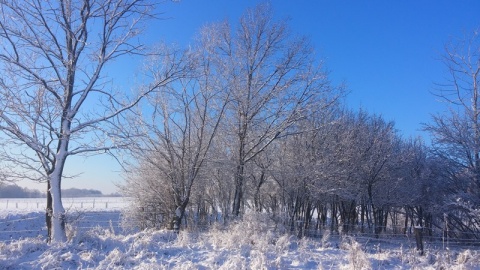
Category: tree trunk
[348,214]
[257,200]
[363,210]
[405,225]
[377,214]
[237,199]
[385,219]
[419,238]
[48,214]
[334,218]
[58,233]
[179,214]
[308,216]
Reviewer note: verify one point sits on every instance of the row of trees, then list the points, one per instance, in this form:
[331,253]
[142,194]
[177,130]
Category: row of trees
[14,191]
[257,125]
[245,118]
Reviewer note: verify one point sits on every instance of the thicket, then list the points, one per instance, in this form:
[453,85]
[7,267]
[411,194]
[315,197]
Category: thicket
[258,126]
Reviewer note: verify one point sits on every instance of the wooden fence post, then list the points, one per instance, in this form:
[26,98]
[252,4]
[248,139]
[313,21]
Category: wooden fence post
[419,238]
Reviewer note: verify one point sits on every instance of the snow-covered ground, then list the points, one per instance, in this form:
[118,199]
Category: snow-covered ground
[26,205]
[97,241]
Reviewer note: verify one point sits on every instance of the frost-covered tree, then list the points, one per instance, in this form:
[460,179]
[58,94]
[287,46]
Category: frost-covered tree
[378,148]
[456,134]
[56,99]
[273,81]
[178,125]
[417,177]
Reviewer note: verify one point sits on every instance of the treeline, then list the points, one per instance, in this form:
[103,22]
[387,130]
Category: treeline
[77,192]
[257,126]
[15,191]
[350,173]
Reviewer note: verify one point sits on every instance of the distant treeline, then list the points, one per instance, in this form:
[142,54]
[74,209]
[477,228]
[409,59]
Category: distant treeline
[15,191]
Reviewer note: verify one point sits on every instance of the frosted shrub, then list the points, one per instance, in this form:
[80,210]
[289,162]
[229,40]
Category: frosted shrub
[255,221]
[255,229]
[468,258]
[357,257]
[116,259]
[258,260]
[185,239]
[50,259]
[71,231]
[234,262]
[97,238]
[464,257]
[284,242]
[149,239]
[325,239]
[73,218]
[142,215]
[442,262]
[23,246]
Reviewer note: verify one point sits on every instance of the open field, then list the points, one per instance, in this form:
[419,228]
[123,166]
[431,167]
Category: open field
[25,205]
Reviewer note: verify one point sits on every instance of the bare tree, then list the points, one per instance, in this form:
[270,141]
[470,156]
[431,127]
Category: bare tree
[456,135]
[179,125]
[273,81]
[414,183]
[55,101]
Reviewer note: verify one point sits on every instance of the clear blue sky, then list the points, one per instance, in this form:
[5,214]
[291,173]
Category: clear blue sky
[387,53]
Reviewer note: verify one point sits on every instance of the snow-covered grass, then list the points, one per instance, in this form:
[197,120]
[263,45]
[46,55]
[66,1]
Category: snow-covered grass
[96,242]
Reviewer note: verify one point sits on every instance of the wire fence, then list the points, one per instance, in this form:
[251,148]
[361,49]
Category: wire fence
[392,235]
[22,218]
[33,225]
[83,217]
[86,203]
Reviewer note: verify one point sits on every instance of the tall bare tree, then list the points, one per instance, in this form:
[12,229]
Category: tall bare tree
[456,134]
[54,97]
[273,79]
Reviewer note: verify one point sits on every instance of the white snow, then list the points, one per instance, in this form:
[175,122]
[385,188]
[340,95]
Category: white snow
[97,241]
[22,205]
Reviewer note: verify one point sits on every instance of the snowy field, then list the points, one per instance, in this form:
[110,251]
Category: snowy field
[97,241]
[26,205]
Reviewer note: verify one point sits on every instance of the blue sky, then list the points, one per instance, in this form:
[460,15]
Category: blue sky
[387,52]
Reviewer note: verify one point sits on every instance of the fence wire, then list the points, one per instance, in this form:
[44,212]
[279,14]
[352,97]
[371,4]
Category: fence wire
[15,227]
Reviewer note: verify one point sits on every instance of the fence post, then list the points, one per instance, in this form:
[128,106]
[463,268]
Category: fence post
[419,238]
[445,231]
[300,232]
